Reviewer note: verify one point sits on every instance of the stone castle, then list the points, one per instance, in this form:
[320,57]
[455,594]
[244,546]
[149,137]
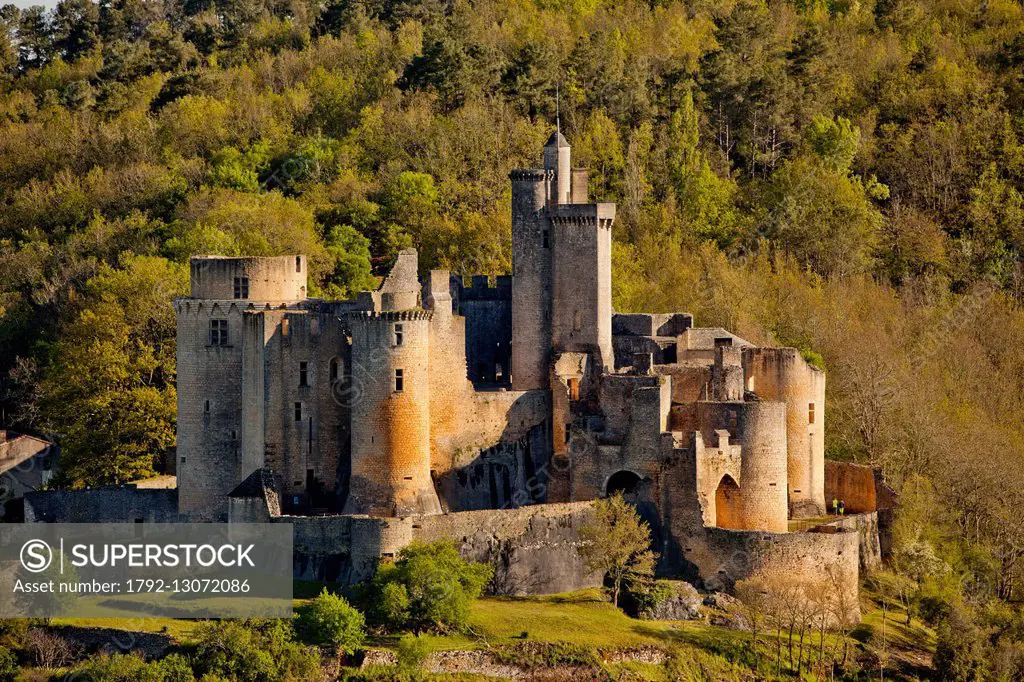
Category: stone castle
[492,414]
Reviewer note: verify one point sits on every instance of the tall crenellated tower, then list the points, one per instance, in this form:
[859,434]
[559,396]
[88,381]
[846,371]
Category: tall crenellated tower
[561,266]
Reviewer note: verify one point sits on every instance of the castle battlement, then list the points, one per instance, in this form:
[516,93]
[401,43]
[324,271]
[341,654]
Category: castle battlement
[389,315]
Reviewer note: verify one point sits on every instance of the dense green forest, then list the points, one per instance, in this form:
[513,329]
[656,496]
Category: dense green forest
[843,176]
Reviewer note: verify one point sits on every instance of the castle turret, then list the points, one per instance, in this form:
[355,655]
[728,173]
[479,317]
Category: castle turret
[558,162]
[391,417]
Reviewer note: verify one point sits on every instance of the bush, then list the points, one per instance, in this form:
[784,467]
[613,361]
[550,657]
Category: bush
[648,594]
[253,651]
[429,587]
[134,668]
[412,652]
[330,620]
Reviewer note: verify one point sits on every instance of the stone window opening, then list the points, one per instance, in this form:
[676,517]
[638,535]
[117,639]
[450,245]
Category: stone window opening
[577,321]
[399,381]
[334,369]
[574,389]
[241,287]
[398,335]
[206,407]
[545,239]
[810,413]
[309,438]
[298,264]
[218,332]
[303,374]
[298,412]
[285,327]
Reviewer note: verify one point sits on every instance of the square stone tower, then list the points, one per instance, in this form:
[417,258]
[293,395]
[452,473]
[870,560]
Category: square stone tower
[561,267]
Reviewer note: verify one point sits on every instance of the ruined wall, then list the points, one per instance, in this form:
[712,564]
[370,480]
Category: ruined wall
[724,557]
[390,427]
[690,381]
[534,549]
[863,489]
[853,484]
[782,374]
[103,505]
[488,328]
[866,526]
[510,473]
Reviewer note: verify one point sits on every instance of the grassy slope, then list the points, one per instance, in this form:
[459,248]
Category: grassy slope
[586,619]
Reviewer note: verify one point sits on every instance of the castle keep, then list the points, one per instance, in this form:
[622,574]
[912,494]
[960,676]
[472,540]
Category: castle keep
[493,413]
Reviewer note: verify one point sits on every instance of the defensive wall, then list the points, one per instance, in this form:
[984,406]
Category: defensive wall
[863,490]
[125,504]
[534,550]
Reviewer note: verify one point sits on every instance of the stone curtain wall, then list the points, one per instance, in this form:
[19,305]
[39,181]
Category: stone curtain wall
[534,549]
[867,528]
[724,557]
[105,505]
[854,484]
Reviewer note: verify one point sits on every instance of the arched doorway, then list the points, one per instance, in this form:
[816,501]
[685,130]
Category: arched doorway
[727,504]
[625,482]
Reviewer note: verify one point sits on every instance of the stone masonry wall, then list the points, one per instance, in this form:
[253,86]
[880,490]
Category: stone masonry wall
[103,505]
[534,549]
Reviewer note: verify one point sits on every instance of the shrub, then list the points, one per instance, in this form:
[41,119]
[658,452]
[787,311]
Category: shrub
[251,651]
[648,594]
[412,652]
[330,620]
[961,650]
[133,668]
[429,587]
[175,668]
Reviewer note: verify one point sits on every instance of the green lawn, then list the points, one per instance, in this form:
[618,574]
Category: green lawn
[586,619]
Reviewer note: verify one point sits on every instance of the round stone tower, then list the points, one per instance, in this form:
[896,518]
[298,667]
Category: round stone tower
[391,414]
[782,374]
[761,430]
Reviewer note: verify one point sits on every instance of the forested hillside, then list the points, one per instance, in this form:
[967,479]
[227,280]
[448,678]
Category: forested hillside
[842,176]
